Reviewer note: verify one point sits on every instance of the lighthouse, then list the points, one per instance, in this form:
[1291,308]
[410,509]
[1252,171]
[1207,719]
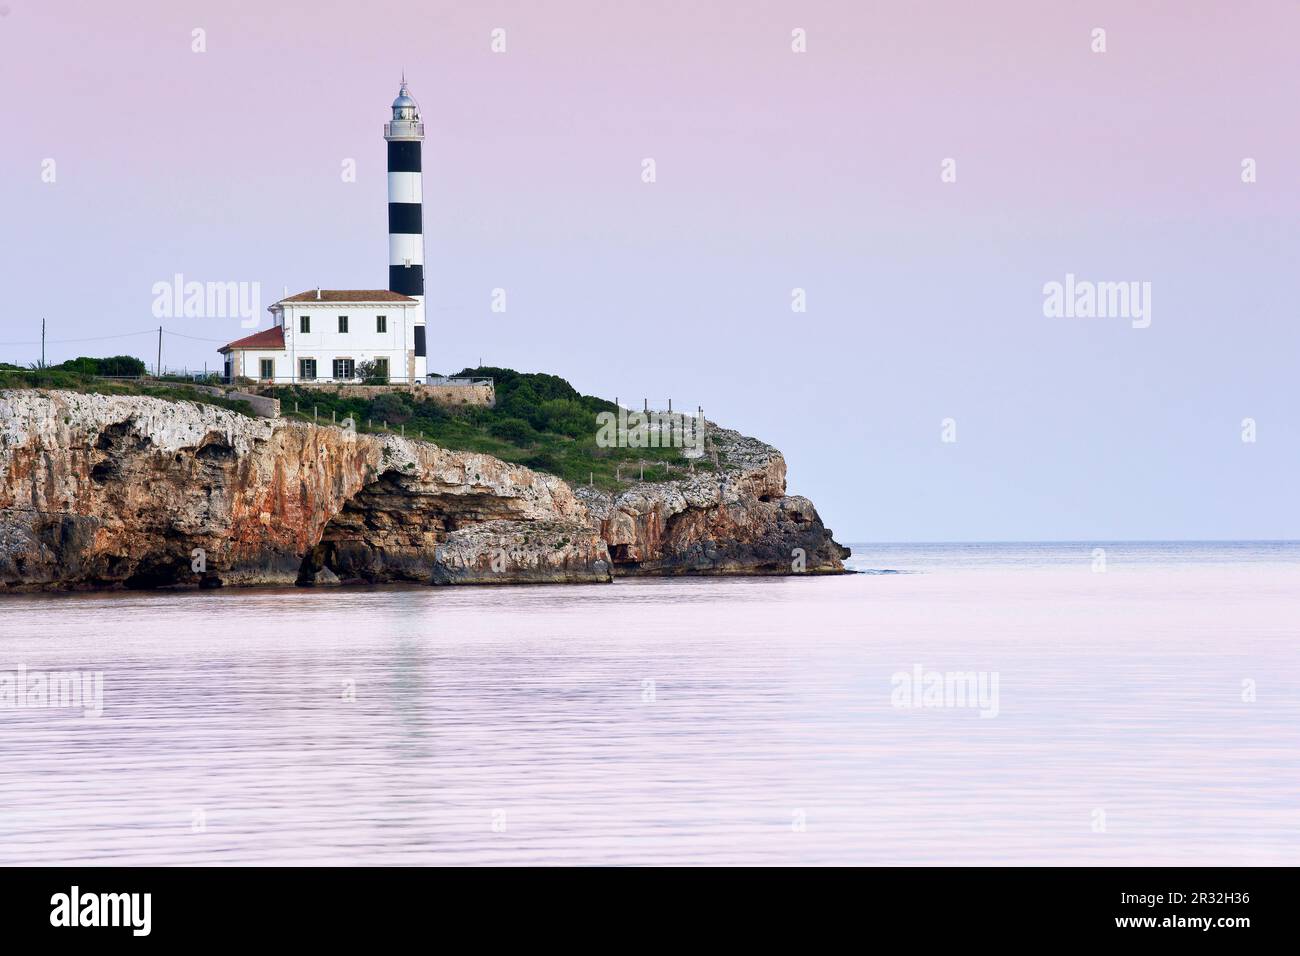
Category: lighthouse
[404,134]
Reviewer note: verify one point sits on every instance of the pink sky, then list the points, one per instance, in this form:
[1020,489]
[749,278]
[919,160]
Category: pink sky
[775,170]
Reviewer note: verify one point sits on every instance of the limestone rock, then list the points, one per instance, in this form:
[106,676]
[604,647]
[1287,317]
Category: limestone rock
[104,491]
[324,577]
[739,521]
[518,552]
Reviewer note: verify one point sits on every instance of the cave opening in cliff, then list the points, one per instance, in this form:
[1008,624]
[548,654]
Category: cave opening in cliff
[621,554]
[389,531]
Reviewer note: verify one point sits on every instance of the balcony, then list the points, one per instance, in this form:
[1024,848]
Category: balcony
[404,129]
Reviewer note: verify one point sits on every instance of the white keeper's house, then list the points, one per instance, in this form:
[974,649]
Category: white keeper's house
[325,335]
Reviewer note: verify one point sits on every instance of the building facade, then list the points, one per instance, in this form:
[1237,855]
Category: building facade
[332,335]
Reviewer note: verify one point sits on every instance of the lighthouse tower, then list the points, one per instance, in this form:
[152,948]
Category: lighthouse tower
[405,220]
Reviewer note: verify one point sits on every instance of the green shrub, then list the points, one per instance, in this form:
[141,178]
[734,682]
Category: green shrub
[431,411]
[390,407]
[522,402]
[514,430]
[372,373]
[121,365]
[564,416]
[82,366]
[114,365]
[543,461]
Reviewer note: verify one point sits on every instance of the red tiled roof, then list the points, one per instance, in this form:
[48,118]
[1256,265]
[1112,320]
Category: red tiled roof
[349,295]
[272,338]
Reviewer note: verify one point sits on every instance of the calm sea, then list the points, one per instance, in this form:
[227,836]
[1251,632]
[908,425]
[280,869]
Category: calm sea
[1137,704]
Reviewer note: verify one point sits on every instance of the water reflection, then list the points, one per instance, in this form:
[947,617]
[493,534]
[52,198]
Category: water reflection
[698,721]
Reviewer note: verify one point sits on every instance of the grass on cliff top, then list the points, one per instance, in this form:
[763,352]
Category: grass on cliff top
[540,421]
[11,376]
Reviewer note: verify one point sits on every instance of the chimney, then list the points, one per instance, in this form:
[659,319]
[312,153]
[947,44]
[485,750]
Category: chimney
[318,293]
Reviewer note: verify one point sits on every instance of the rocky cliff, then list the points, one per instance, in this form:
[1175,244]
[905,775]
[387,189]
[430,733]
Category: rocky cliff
[105,491]
[735,521]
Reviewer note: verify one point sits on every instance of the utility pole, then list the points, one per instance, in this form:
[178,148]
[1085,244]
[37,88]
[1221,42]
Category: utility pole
[157,369]
[42,341]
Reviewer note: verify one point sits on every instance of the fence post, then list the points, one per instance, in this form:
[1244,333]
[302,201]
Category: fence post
[315,413]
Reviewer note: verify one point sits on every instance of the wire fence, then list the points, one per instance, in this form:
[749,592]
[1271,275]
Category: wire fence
[669,405]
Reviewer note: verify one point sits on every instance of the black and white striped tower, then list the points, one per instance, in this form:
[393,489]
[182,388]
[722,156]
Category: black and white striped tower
[405,219]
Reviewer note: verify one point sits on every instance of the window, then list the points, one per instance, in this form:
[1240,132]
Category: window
[343,323]
[343,369]
[381,323]
[307,369]
[381,369]
[267,369]
[304,324]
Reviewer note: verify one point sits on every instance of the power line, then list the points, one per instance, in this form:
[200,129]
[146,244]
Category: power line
[194,337]
[90,338]
[120,335]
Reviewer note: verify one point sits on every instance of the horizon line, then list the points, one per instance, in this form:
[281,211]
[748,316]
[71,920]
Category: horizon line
[1091,541]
